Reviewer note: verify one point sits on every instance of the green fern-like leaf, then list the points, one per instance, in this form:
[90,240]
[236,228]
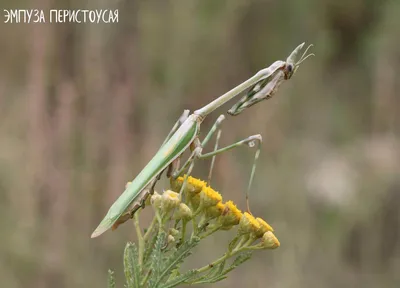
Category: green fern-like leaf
[217,273]
[148,249]
[111,279]
[210,280]
[174,273]
[216,270]
[179,279]
[131,264]
[177,258]
[232,244]
[243,257]
[156,260]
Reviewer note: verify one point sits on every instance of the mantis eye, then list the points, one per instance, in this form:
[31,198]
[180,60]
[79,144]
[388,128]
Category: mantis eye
[288,70]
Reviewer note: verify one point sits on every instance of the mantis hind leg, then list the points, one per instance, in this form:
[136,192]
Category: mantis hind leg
[197,148]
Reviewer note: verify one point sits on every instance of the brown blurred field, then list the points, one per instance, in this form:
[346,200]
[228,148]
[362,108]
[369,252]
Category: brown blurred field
[83,107]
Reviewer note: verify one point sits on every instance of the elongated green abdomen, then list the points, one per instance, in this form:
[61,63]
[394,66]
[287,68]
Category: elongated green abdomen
[174,147]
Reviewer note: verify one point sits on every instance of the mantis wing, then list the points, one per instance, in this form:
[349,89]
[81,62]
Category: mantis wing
[174,147]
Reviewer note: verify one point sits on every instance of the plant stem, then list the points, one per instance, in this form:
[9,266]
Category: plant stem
[184,222]
[211,231]
[150,229]
[139,236]
[159,220]
[194,232]
[145,278]
[198,210]
[249,241]
[216,262]
[227,255]
[242,240]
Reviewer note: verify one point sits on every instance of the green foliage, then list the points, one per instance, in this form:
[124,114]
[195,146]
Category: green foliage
[157,258]
[239,260]
[149,248]
[162,269]
[217,273]
[111,279]
[214,272]
[177,258]
[180,279]
[133,270]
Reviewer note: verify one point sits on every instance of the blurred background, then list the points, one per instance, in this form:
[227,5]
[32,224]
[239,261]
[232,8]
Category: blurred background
[83,107]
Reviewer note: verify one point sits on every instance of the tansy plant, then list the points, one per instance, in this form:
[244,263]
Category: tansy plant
[178,227]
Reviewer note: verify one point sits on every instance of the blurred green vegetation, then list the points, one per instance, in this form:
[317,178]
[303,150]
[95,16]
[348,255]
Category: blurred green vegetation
[85,106]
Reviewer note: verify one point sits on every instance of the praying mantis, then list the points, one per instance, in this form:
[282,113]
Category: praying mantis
[185,134]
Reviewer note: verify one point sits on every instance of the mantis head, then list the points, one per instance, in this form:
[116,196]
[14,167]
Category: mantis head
[291,64]
[271,79]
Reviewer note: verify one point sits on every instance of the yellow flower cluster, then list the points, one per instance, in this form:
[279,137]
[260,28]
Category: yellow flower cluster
[269,241]
[193,185]
[166,202]
[206,201]
[209,197]
[257,228]
[230,216]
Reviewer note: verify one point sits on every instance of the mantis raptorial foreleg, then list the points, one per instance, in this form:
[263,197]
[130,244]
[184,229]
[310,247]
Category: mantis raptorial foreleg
[197,144]
[216,126]
[213,158]
[197,154]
